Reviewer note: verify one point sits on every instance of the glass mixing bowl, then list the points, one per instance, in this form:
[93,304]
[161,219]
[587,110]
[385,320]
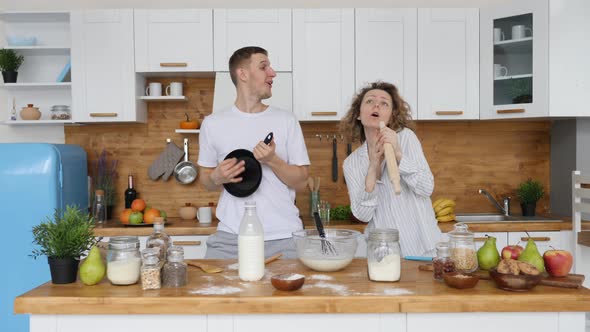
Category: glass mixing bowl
[311,254]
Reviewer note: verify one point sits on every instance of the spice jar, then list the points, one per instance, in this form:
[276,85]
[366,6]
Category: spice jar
[174,272]
[123,260]
[442,263]
[60,112]
[383,255]
[150,273]
[462,247]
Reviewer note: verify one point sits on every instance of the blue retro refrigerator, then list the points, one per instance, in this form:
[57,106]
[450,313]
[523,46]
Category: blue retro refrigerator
[35,180]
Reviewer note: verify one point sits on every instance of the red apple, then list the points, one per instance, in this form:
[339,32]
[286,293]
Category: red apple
[512,252]
[558,263]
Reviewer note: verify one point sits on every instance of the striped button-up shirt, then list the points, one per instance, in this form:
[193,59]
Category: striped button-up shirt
[410,212]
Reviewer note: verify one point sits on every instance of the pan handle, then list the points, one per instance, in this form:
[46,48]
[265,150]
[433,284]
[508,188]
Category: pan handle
[268,138]
[186,149]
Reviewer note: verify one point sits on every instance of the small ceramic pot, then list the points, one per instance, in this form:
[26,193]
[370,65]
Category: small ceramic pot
[188,212]
[30,113]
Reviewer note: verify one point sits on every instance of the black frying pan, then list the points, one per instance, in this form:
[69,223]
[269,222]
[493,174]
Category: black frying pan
[252,175]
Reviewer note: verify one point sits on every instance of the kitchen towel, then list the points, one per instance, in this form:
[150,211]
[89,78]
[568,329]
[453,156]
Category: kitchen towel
[166,162]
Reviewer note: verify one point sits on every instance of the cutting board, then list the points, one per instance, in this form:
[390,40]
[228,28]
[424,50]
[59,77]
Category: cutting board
[569,281]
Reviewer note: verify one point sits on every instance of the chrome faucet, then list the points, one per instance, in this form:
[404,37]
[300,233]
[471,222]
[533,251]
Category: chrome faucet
[506,200]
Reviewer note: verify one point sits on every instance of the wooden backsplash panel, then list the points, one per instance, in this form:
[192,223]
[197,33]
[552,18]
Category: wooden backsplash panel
[463,155]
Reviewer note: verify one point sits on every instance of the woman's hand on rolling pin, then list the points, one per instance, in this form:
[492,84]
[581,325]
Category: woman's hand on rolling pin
[227,171]
[388,135]
[376,156]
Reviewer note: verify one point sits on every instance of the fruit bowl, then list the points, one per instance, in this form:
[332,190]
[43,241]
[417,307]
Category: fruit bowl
[309,249]
[515,283]
[461,280]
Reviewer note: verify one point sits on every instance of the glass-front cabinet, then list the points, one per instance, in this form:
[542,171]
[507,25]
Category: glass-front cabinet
[514,60]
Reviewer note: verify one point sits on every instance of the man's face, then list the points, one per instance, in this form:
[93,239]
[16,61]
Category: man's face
[259,76]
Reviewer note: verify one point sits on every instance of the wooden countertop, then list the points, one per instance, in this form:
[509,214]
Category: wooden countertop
[346,291]
[177,226]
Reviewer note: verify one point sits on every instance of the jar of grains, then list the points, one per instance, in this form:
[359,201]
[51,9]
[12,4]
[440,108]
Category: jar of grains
[174,271]
[462,246]
[123,260]
[150,273]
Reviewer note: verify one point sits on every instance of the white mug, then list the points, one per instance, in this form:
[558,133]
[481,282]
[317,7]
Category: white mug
[498,35]
[174,89]
[204,215]
[519,31]
[498,70]
[154,89]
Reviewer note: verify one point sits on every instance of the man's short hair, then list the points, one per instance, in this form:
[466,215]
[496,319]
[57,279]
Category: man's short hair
[239,57]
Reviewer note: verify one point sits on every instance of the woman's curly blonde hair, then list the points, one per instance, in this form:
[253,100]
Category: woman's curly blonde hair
[401,117]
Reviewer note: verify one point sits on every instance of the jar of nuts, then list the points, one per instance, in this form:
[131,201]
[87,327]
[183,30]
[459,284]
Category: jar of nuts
[462,247]
[442,263]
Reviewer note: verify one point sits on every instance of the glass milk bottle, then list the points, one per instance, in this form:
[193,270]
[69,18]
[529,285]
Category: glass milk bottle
[251,245]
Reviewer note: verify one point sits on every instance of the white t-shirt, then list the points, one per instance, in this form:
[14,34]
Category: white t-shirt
[225,131]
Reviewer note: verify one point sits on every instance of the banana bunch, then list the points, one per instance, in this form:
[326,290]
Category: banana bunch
[444,209]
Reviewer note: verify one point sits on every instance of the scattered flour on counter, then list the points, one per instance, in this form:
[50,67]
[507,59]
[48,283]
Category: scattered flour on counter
[339,289]
[208,278]
[216,290]
[226,277]
[233,266]
[321,277]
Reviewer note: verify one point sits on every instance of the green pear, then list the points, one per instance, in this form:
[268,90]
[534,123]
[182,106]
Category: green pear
[531,254]
[93,269]
[488,256]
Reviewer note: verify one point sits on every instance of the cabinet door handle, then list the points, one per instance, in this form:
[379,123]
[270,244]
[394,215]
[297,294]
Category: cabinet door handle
[480,239]
[324,113]
[449,112]
[536,239]
[186,243]
[173,64]
[103,115]
[511,111]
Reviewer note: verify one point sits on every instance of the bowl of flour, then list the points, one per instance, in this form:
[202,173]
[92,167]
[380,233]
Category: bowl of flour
[310,253]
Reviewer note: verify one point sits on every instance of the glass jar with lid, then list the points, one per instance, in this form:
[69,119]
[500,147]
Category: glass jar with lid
[442,263]
[123,260]
[150,272]
[383,255]
[60,112]
[462,247]
[174,271]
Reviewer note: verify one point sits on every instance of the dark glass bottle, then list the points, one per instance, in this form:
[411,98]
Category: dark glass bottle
[130,193]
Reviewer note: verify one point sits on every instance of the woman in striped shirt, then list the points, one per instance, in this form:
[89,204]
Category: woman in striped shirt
[371,194]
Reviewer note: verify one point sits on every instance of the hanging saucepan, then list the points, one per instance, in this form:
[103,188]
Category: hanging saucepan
[252,175]
[185,171]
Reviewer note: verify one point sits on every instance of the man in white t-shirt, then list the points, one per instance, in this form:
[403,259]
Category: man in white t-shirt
[284,161]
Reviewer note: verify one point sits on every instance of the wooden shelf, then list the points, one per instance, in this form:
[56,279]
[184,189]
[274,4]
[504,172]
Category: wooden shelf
[164,98]
[40,50]
[511,77]
[36,122]
[187,131]
[37,85]
[513,41]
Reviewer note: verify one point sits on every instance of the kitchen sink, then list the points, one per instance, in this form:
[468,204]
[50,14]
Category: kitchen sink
[494,218]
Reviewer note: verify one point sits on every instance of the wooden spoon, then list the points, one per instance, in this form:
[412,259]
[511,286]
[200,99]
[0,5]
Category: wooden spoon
[205,267]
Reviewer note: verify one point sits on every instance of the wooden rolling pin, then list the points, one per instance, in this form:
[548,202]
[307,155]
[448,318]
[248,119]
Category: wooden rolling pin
[392,169]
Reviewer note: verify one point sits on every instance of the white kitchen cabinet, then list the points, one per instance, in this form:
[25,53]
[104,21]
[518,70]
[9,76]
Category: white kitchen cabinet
[173,40]
[105,85]
[543,240]
[323,63]
[195,246]
[501,239]
[267,28]
[555,45]
[448,63]
[386,49]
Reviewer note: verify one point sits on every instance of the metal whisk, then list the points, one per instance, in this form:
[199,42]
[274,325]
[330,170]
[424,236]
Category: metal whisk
[327,246]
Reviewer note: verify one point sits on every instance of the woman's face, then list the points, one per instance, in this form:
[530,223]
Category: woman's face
[375,107]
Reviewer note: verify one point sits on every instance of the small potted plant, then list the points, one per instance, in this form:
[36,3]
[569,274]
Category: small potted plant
[10,61]
[63,240]
[529,192]
[104,177]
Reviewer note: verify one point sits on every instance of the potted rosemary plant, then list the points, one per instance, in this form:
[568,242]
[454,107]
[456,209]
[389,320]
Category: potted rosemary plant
[104,177]
[529,192]
[63,240]
[10,61]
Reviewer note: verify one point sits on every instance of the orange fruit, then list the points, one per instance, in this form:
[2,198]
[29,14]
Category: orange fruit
[138,205]
[149,216]
[124,216]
